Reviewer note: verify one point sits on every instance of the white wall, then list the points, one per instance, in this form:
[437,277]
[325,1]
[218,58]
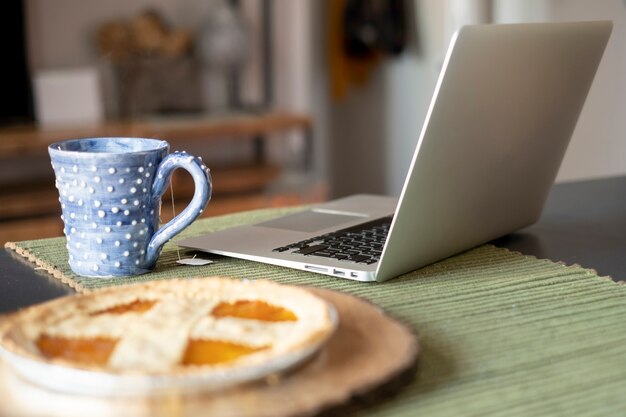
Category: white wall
[410,81]
[403,90]
[372,131]
[598,147]
[294,69]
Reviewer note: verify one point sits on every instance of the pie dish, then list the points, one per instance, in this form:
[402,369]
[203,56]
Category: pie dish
[184,334]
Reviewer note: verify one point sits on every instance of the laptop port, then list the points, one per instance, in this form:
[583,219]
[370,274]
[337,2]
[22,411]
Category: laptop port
[315,268]
[338,272]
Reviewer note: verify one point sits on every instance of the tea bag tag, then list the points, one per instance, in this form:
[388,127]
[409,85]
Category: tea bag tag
[194,261]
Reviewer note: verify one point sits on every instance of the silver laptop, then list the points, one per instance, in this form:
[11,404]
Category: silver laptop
[504,109]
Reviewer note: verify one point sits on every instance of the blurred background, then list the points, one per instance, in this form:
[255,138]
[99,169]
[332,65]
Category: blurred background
[288,101]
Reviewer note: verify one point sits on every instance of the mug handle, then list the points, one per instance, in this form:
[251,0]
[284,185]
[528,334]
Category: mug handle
[202,180]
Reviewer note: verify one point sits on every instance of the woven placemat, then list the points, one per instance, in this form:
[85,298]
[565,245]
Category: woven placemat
[51,255]
[500,333]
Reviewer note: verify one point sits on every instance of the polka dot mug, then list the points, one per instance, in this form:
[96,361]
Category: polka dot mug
[110,192]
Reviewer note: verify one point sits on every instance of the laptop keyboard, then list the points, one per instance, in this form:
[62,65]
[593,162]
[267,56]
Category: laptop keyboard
[362,243]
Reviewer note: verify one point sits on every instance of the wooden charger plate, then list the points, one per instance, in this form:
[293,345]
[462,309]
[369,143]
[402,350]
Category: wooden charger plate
[370,356]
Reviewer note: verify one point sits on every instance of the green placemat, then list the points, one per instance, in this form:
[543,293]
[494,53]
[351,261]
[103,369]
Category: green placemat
[51,256]
[501,333]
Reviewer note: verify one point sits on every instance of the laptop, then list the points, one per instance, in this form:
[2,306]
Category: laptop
[504,108]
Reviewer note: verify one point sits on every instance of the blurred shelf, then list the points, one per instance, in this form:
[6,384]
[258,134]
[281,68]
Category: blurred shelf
[31,140]
[43,199]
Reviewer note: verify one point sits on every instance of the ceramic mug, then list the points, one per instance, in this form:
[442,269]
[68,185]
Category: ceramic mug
[110,192]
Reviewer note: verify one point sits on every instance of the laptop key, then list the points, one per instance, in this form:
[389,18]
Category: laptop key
[311,249]
[369,261]
[281,249]
[298,245]
[358,258]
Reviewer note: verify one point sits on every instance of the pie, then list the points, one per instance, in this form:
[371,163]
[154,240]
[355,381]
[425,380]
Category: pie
[173,327]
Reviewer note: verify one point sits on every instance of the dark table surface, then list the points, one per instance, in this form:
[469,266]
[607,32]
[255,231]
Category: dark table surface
[583,223]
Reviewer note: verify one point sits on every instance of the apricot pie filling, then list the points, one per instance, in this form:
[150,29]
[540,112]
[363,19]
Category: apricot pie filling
[93,351]
[211,352]
[254,310]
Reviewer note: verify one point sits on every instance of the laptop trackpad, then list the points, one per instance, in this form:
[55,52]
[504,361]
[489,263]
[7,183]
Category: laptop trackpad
[309,221]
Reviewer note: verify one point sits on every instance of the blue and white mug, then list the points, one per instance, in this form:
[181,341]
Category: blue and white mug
[110,192]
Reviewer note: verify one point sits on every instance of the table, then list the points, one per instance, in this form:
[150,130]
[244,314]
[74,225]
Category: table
[504,341]
[583,223]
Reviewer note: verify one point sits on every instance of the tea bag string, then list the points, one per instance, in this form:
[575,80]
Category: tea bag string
[193,261]
[174,211]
